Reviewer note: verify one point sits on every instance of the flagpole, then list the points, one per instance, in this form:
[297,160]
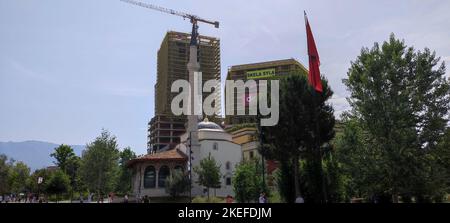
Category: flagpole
[317,142]
[317,135]
[304,15]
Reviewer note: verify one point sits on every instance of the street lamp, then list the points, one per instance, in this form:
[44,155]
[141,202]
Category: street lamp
[39,182]
[261,144]
[189,145]
[190,165]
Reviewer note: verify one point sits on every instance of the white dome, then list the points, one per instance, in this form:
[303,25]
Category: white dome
[209,126]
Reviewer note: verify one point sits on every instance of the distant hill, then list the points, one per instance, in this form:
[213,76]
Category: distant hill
[36,154]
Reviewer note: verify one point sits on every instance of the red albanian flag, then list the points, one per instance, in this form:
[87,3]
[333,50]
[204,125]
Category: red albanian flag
[314,61]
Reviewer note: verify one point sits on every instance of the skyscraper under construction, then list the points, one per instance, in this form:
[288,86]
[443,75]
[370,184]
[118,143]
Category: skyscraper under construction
[165,128]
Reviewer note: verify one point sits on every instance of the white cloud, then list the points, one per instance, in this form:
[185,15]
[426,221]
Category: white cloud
[340,105]
[27,72]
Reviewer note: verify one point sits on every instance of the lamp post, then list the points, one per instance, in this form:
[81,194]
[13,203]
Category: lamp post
[39,182]
[262,157]
[190,165]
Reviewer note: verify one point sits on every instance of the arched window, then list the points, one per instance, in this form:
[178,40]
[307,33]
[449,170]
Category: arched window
[164,172]
[149,177]
[215,146]
[228,165]
[228,181]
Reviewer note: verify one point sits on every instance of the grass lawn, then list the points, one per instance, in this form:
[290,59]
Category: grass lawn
[169,200]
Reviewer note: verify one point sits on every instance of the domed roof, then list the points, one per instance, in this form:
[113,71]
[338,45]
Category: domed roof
[207,125]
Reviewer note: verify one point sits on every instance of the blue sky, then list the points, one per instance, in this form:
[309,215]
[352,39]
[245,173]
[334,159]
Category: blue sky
[70,68]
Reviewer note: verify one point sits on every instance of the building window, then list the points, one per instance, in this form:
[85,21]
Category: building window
[252,155]
[215,146]
[164,172]
[228,181]
[228,165]
[149,177]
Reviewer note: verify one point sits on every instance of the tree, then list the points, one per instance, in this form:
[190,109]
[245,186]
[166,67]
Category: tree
[247,181]
[177,183]
[64,155]
[69,163]
[72,170]
[285,181]
[208,173]
[359,164]
[400,98]
[32,181]
[18,176]
[442,155]
[304,130]
[100,164]
[436,184]
[5,168]
[334,178]
[58,183]
[124,183]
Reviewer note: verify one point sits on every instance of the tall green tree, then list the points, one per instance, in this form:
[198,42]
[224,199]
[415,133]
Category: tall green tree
[304,130]
[100,164]
[285,181]
[18,176]
[57,184]
[125,174]
[5,168]
[63,155]
[69,163]
[334,178]
[359,162]
[442,155]
[177,183]
[72,170]
[400,97]
[208,173]
[247,181]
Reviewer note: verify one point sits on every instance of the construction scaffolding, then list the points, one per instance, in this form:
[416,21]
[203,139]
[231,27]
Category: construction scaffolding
[173,57]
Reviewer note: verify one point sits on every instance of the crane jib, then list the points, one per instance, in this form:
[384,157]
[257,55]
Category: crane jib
[193,18]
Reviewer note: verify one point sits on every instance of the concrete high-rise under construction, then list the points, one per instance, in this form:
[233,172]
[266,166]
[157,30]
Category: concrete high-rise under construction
[165,128]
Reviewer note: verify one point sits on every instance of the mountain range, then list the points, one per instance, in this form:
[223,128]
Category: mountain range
[36,154]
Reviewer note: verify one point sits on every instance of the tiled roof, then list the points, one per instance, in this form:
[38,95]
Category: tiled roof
[173,154]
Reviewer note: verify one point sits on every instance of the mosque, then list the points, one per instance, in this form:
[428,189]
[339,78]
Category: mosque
[151,170]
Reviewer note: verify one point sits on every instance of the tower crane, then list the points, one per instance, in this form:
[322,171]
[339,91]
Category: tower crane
[193,18]
[193,67]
